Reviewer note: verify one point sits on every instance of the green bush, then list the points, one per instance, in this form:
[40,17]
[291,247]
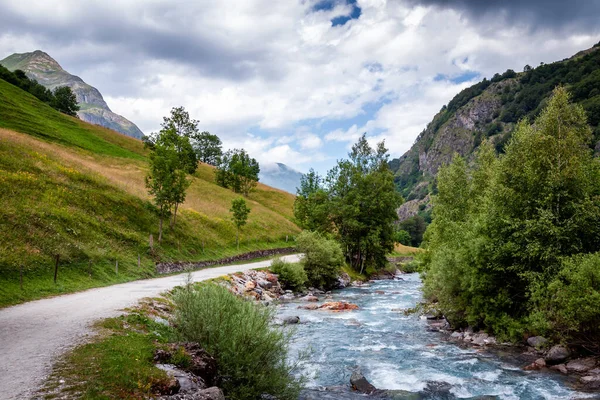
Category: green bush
[291,276]
[251,353]
[569,307]
[323,259]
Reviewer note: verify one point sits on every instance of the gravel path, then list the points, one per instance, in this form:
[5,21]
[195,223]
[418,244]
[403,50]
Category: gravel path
[33,334]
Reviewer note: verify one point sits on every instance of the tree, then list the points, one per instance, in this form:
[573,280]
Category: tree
[503,231]
[166,181]
[310,206]
[207,147]
[181,123]
[237,171]
[65,101]
[362,205]
[240,212]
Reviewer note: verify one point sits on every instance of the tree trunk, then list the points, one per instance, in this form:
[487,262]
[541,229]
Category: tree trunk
[160,223]
[174,215]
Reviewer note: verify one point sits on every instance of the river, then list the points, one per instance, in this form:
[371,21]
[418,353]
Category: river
[396,352]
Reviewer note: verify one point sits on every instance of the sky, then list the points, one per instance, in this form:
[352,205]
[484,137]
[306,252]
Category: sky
[295,81]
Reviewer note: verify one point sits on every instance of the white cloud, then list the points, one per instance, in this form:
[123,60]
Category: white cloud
[276,67]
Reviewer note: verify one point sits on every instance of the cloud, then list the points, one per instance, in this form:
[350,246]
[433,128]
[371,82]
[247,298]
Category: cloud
[555,15]
[304,87]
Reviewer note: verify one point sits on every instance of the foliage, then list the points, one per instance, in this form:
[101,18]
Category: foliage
[415,227]
[239,211]
[402,236]
[65,101]
[291,275]
[357,203]
[569,307]
[19,79]
[501,230]
[322,259]
[311,205]
[207,147]
[250,351]
[238,171]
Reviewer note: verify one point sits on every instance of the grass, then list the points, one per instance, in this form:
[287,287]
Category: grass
[116,364]
[401,250]
[77,190]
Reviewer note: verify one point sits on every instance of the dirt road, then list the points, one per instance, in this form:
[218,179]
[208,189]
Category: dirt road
[33,334]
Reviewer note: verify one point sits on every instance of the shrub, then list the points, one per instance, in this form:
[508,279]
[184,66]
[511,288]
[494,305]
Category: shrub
[569,307]
[291,276]
[251,353]
[323,259]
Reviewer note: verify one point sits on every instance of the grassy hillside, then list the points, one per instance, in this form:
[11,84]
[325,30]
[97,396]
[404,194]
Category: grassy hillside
[77,190]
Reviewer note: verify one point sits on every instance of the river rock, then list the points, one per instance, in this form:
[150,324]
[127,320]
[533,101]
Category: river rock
[309,307]
[580,365]
[212,393]
[338,306]
[310,298]
[186,382]
[265,284]
[536,365]
[483,339]
[560,368]
[250,285]
[457,335]
[287,297]
[291,320]
[590,382]
[536,341]
[361,384]
[557,354]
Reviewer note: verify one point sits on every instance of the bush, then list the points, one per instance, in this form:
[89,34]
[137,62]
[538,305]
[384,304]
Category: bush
[291,276]
[250,352]
[403,237]
[323,259]
[569,307]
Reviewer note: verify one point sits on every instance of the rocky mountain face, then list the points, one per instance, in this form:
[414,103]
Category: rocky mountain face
[43,68]
[280,176]
[490,109]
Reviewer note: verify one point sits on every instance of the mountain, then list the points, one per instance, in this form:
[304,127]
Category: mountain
[490,109]
[78,190]
[43,68]
[280,176]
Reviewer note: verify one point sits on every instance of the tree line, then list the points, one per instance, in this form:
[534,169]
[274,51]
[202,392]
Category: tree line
[174,155]
[61,98]
[514,242]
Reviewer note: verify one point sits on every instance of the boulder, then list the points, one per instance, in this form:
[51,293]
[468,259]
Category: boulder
[310,298]
[361,384]
[457,335]
[212,393]
[309,307]
[537,365]
[291,320]
[287,297]
[480,339]
[590,382]
[186,382]
[338,306]
[557,354]
[580,365]
[265,284]
[536,341]
[560,368]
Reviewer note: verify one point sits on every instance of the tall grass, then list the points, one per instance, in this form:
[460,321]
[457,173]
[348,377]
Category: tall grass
[251,353]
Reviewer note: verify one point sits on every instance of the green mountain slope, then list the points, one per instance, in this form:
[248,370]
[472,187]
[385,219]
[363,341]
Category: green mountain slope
[490,109]
[77,190]
[43,68]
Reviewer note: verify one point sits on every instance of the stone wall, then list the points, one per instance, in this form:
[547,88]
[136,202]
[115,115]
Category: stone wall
[180,266]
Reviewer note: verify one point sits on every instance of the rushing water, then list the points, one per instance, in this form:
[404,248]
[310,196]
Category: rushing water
[396,352]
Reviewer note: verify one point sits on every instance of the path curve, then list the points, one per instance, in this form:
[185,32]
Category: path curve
[34,334]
